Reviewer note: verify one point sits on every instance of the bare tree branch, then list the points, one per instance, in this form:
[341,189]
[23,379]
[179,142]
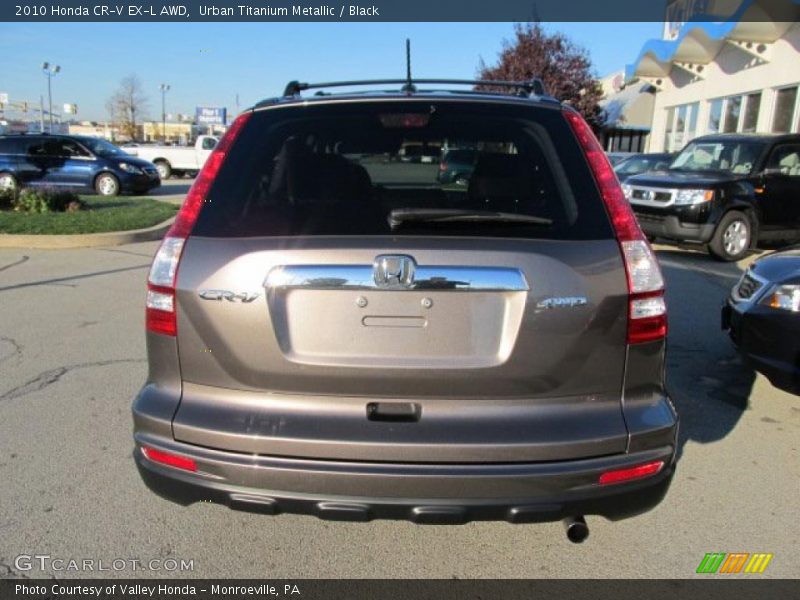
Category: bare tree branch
[128,106]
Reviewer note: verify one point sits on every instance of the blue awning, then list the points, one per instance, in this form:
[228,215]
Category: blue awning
[700,40]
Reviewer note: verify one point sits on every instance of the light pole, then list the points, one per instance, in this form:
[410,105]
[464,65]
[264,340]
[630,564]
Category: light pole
[51,71]
[164,87]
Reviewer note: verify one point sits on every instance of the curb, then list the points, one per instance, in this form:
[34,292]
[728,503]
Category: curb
[85,240]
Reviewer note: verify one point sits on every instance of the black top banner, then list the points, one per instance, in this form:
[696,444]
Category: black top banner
[397,10]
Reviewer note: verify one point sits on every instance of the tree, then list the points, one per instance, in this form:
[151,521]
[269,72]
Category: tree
[564,67]
[127,104]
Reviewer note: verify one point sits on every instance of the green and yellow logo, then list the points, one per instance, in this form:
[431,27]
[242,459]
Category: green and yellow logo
[735,562]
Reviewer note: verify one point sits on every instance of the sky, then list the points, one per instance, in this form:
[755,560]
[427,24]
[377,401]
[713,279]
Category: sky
[208,64]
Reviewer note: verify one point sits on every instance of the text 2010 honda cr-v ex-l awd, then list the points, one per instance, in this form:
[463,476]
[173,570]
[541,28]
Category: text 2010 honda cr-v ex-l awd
[333,331]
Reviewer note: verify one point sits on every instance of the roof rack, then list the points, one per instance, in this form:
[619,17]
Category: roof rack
[27,133]
[534,87]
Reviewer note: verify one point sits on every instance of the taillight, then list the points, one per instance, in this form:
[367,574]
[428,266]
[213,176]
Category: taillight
[160,311]
[169,459]
[631,473]
[160,306]
[443,166]
[647,310]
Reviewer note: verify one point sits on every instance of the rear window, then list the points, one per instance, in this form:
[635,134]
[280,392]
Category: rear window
[380,168]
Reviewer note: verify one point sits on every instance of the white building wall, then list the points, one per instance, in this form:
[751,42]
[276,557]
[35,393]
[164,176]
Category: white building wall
[732,72]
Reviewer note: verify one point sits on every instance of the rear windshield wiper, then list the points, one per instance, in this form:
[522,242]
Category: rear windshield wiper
[400,216]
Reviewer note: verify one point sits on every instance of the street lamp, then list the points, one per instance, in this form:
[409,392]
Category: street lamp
[164,87]
[51,71]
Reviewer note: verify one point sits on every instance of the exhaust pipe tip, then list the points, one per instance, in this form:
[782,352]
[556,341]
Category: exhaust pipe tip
[577,529]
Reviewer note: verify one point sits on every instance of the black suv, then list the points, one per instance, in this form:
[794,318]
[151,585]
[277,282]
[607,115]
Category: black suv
[331,331]
[727,191]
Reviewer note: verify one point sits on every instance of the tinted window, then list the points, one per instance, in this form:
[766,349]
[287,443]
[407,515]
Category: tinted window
[640,164]
[341,169]
[738,157]
[209,143]
[461,156]
[786,160]
[103,148]
[8,146]
[35,147]
[68,148]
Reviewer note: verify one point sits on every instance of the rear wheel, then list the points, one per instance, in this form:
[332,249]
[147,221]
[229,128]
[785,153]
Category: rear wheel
[164,169]
[732,238]
[106,185]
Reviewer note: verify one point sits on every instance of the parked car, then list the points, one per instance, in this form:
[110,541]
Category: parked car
[728,191]
[178,160]
[762,316]
[642,163]
[75,162]
[424,153]
[617,157]
[356,343]
[456,166]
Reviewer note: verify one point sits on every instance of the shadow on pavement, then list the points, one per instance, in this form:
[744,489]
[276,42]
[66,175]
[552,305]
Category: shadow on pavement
[706,378]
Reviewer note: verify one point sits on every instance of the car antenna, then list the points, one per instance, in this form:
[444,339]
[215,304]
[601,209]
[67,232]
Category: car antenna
[409,86]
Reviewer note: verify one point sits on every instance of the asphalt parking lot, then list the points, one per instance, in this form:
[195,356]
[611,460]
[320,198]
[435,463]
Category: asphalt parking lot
[72,356]
[171,190]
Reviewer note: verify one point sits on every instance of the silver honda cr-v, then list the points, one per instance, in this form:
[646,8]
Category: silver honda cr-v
[332,330]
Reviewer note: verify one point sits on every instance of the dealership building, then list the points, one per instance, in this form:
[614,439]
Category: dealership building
[740,75]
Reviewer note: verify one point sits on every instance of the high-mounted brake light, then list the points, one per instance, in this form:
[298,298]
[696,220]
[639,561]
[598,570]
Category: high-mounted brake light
[647,310]
[160,312]
[632,473]
[169,459]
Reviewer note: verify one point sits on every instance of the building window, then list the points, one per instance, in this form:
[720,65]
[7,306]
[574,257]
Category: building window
[733,108]
[668,132]
[734,114]
[694,109]
[681,126]
[752,106]
[785,109]
[715,116]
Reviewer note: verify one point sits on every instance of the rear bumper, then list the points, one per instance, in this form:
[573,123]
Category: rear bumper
[422,493]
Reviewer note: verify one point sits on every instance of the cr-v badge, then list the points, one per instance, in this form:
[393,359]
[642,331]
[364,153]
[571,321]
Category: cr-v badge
[562,302]
[244,297]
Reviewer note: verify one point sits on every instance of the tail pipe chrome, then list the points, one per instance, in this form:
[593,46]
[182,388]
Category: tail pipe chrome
[577,529]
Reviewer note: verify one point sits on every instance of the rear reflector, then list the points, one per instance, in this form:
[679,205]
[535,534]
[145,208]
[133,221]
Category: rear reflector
[171,460]
[160,321]
[647,310]
[632,473]
[646,329]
